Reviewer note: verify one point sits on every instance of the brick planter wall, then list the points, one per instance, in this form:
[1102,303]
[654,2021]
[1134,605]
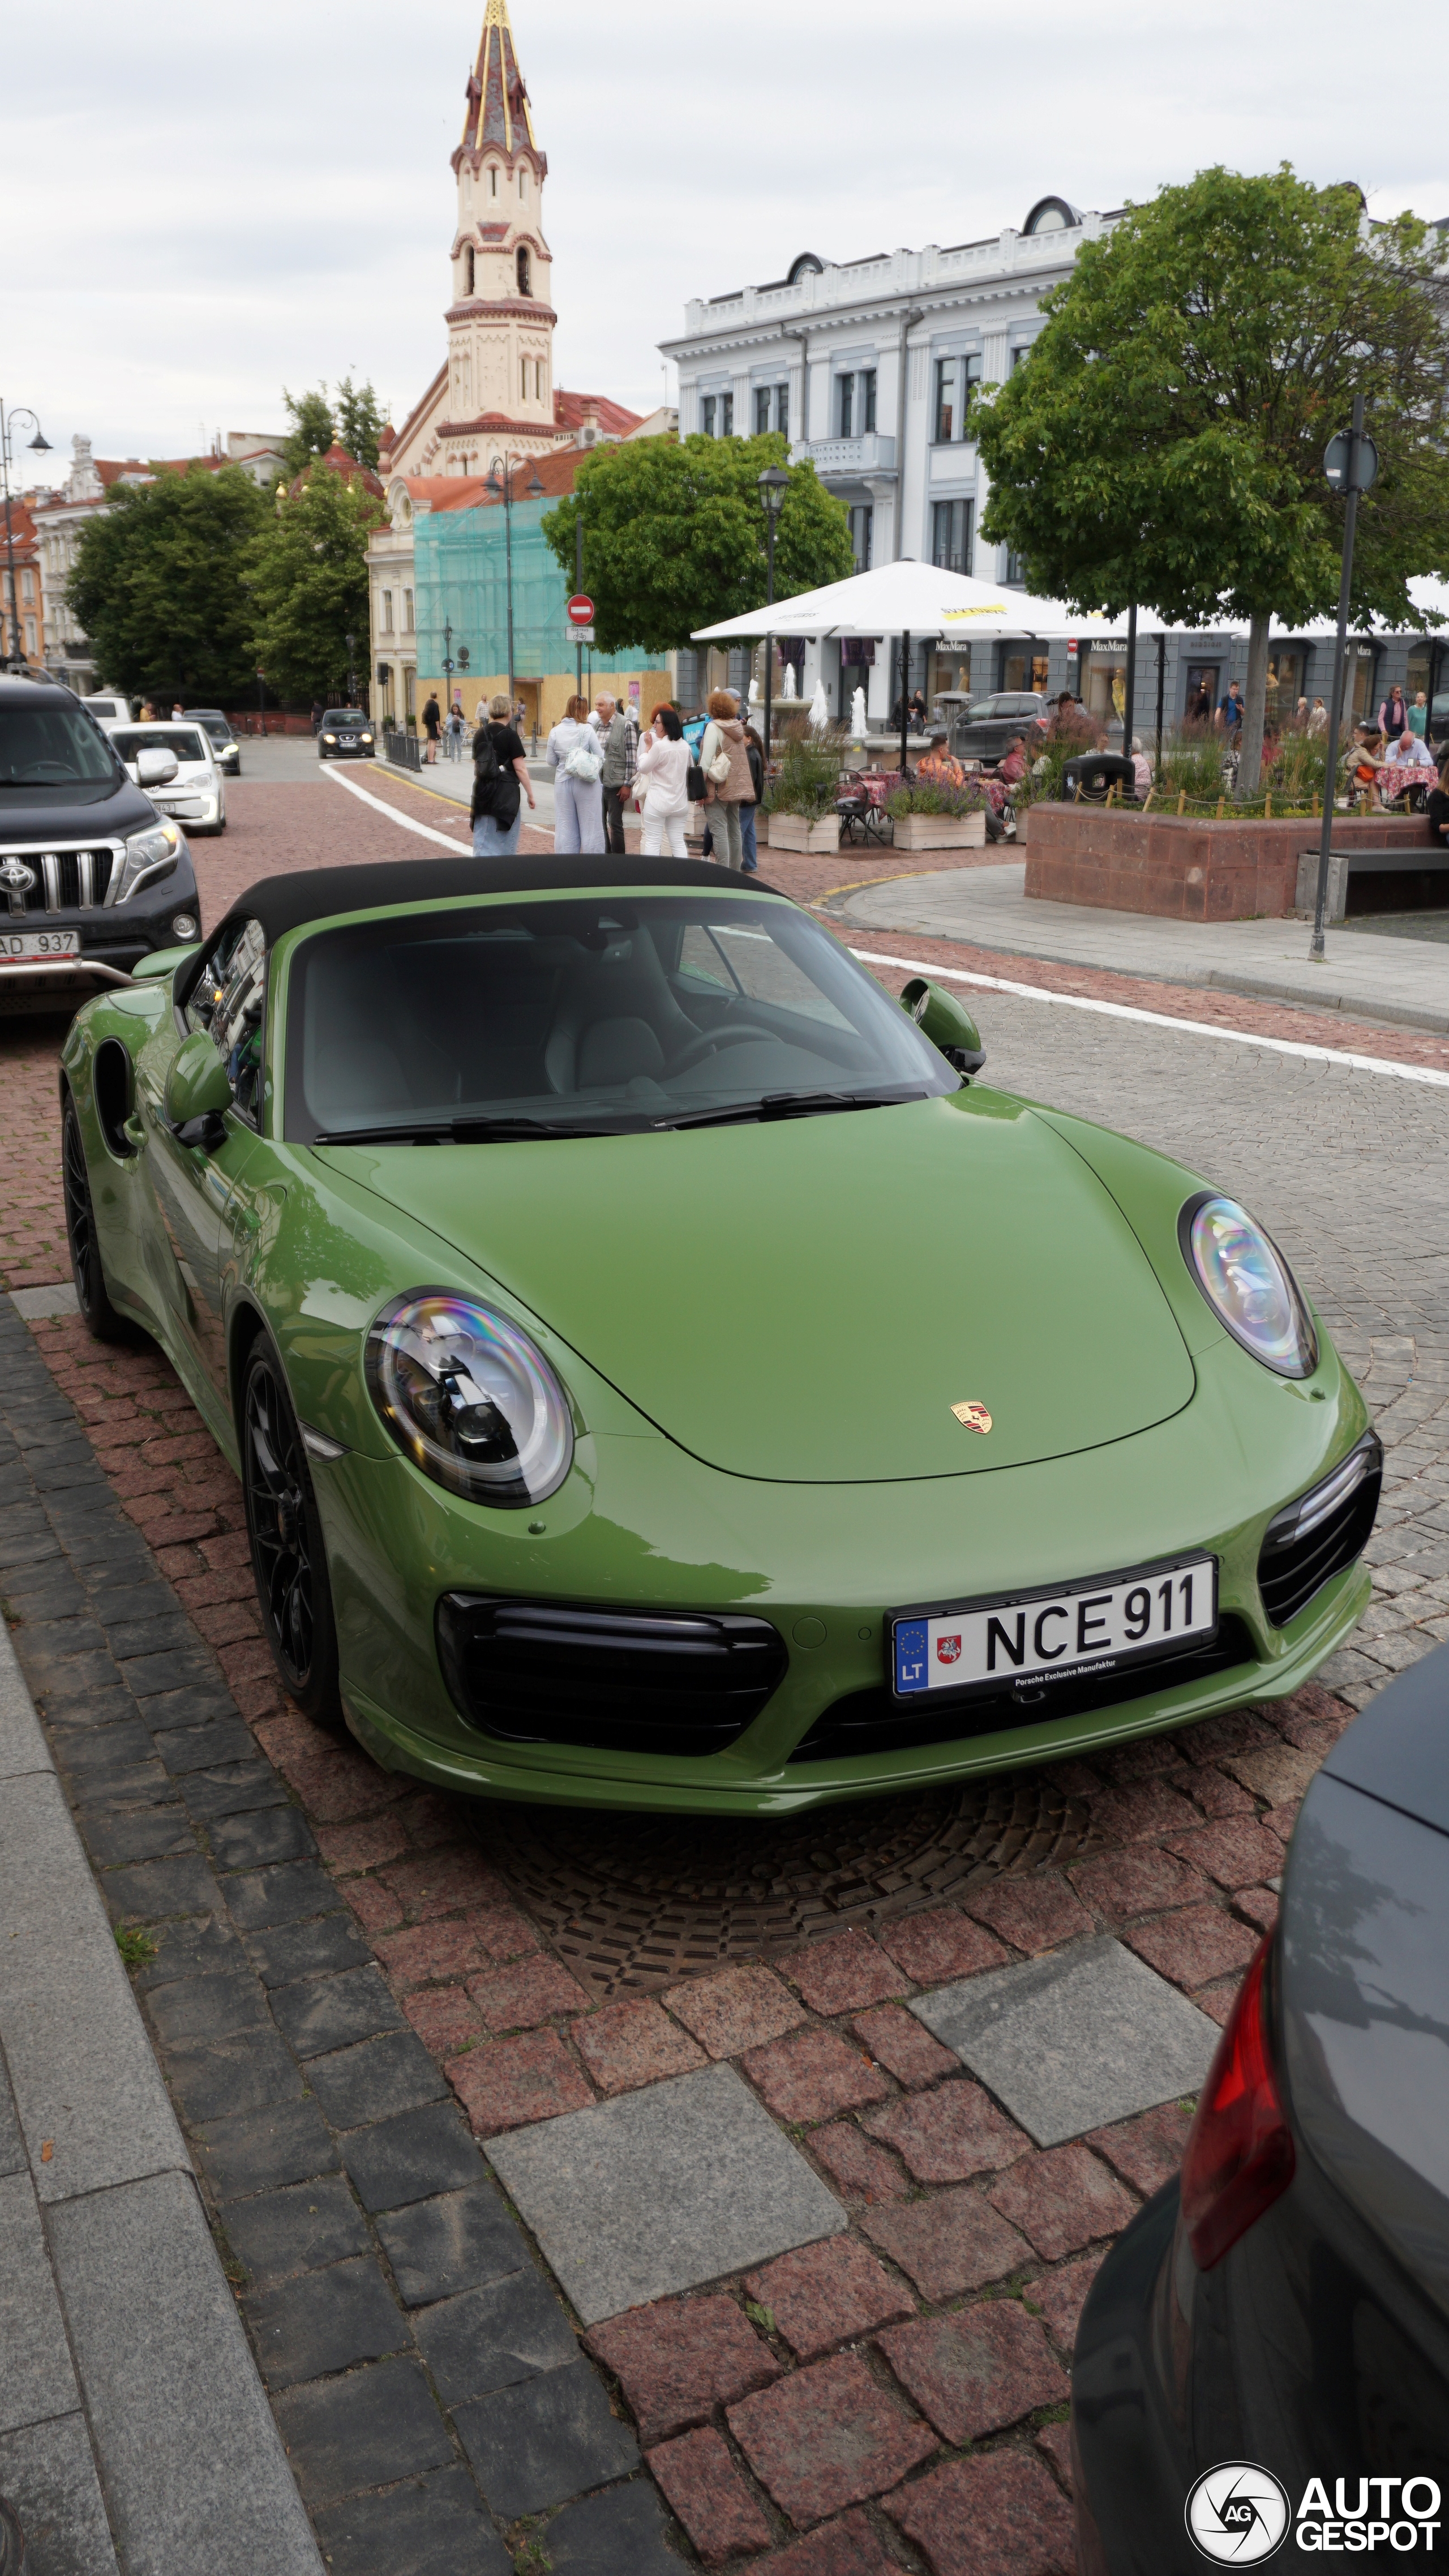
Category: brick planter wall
[1186,870]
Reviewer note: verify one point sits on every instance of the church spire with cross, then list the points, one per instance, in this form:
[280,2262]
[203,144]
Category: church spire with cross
[500,319]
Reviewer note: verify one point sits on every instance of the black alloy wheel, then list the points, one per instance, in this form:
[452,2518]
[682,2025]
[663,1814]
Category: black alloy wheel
[289,1561]
[97,1313]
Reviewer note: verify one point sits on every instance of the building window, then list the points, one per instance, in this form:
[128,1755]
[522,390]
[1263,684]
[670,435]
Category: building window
[1017,355]
[957,381]
[27,585]
[951,529]
[726,415]
[387,612]
[525,283]
[492,182]
[407,612]
[1015,573]
[845,406]
[470,269]
[707,411]
[30,635]
[862,530]
[523,183]
[523,374]
[782,408]
[867,399]
[762,410]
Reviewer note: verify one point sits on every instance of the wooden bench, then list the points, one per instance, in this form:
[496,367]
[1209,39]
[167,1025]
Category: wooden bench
[1401,880]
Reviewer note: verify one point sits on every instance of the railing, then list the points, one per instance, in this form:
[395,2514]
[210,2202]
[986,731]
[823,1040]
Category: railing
[873,453]
[404,750]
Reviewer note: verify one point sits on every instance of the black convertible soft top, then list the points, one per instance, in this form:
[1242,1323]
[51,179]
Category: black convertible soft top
[285,903]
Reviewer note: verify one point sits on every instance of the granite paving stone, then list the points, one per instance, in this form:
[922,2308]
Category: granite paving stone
[445,2021]
[263,2150]
[617,2533]
[952,2242]
[493,2337]
[1061,2295]
[36,2378]
[726,2189]
[827,2294]
[323,2321]
[1055,2440]
[847,2547]
[322,2013]
[1236,1851]
[436,2527]
[1139,1880]
[862,2170]
[146,1833]
[216,2078]
[895,2038]
[515,2083]
[412,2157]
[81,1749]
[547,2440]
[1076,2040]
[977,2372]
[680,2358]
[1192,1947]
[296,2230]
[519,1998]
[827,2437]
[377,2077]
[628,2044]
[427,1951]
[948,2135]
[843,1973]
[737,2009]
[813,2074]
[48,2473]
[1034,1913]
[231,1789]
[287,1894]
[316,1949]
[155,1888]
[1001,2515]
[704,2487]
[1260,1905]
[1147,2150]
[255,1835]
[195,1946]
[208,2007]
[1061,2200]
[942,1943]
[455,2242]
[366,2429]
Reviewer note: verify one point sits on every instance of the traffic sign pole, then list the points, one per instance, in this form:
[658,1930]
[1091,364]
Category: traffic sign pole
[1358,472]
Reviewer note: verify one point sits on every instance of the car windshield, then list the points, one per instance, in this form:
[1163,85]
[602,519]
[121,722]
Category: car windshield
[588,1016]
[340,718]
[214,722]
[56,748]
[184,742]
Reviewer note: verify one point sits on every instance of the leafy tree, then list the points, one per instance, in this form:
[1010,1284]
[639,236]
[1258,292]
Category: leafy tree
[308,577]
[1164,443]
[313,430]
[674,535]
[157,585]
[360,420]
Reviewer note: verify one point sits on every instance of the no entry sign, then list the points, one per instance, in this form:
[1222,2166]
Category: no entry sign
[581,609]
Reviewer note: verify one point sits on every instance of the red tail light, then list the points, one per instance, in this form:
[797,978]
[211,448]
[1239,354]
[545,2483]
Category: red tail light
[1239,2154]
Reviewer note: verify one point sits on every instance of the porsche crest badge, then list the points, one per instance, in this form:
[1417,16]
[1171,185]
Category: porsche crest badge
[972,1417]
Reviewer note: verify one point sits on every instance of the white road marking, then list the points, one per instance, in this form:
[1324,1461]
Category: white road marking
[460,849]
[1162,1020]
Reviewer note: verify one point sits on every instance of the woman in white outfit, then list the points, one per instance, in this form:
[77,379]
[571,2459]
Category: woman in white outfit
[578,799]
[659,774]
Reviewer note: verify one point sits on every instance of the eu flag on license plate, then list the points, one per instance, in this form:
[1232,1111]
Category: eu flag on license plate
[911,1673]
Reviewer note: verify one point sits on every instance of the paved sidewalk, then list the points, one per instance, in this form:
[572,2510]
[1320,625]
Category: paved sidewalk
[1402,981]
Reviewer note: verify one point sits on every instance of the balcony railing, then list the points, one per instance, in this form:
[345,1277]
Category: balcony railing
[870,454]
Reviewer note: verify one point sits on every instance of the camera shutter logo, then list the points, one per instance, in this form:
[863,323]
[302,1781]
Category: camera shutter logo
[1237,2514]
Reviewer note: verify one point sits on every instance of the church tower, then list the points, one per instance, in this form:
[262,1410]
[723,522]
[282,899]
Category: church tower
[500,319]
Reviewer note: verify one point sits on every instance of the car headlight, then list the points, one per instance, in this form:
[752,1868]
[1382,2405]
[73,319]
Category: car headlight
[1249,1285]
[149,855]
[329,737]
[366,737]
[470,1398]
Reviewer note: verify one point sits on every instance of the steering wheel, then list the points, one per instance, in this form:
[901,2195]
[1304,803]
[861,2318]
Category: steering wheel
[738,1034]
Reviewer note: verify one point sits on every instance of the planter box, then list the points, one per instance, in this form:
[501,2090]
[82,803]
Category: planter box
[1185,868]
[940,832]
[792,832]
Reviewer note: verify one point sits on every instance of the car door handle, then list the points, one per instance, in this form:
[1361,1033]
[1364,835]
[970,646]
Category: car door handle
[134,1132]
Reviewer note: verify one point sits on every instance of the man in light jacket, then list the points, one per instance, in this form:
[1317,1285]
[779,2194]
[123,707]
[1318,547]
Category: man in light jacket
[617,742]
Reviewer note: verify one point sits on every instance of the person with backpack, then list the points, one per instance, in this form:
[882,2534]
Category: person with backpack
[500,782]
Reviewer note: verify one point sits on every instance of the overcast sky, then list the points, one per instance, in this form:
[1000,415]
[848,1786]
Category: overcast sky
[203,205]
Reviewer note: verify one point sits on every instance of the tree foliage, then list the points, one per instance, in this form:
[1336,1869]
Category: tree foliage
[157,585]
[308,576]
[361,420]
[313,430]
[1164,442]
[674,535]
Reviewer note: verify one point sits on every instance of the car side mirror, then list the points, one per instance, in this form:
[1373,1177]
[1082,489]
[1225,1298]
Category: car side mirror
[197,1091]
[155,768]
[949,1026]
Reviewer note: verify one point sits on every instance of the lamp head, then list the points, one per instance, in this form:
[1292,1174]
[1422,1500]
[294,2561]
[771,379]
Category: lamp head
[774,483]
[40,444]
[493,487]
[535,488]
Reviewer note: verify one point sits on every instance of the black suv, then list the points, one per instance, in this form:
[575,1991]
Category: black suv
[217,729]
[988,727]
[91,878]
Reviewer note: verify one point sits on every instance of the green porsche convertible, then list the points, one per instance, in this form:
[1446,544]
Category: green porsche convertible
[661,1373]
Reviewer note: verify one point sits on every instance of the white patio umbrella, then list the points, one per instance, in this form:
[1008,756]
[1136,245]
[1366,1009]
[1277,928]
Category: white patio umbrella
[917,599]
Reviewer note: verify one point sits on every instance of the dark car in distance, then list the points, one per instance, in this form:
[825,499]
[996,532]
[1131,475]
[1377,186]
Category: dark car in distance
[1263,2358]
[987,727]
[217,728]
[345,733]
[92,878]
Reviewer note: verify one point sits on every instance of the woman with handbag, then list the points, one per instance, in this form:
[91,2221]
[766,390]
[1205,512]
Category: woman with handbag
[578,800]
[500,783]
[725,762]
[660,772]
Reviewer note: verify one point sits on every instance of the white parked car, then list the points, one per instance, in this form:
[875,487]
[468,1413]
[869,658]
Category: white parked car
[109,707]
[196,796]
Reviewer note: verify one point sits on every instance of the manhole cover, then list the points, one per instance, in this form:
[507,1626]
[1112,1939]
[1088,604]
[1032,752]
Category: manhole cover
[635,1902]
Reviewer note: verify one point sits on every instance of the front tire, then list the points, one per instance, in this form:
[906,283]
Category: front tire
[98,1315]
[289,1558]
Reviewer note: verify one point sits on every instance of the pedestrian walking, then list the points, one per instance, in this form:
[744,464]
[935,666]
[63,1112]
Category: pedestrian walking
[455,730]
[432,726]
[576,760]
[318,712]
[1318,721]
[755,755]
[1393,714]
[1419,715]
[619,751]
[500,783]
[723,759]
[1230,713]
[662,765]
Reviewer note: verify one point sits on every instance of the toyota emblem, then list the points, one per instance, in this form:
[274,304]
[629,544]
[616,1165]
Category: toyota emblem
[19,878]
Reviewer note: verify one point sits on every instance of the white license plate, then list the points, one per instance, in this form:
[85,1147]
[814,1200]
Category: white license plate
[1060,1635]
[39,943]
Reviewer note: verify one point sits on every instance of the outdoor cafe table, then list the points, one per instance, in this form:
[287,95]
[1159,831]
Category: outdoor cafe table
[1397,775]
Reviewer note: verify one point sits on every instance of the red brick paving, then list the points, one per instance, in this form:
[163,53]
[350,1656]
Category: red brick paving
[508,2083]
[630,2044]
[812,2075]
[848,2547]
[1140,1880]
[1061,2199]
[1236,1853]
[1061,2296]
[679,2359]
[1194,1946]
[1148,2150]
[976,2373]
[903,2045]
[843,1973]
[707,2492]
[932,1947]
[948,2135]
[953,2242]
[1032,1914]
[827,2437]
[741,2008]
[996,2516]
[862,2171]
[826,2294]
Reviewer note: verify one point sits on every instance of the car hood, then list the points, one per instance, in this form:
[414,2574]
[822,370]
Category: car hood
[96,811]
[806,1300]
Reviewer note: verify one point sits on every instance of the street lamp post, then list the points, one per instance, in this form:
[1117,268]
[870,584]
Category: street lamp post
[1351,464]
[40,446]
[448,660]
[495,489]
[351,668]
[774,483]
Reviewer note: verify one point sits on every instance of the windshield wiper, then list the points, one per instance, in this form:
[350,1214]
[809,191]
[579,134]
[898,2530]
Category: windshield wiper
[792,1104]
[459,1131]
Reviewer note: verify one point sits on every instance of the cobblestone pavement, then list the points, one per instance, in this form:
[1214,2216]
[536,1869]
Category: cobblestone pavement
[851,2357]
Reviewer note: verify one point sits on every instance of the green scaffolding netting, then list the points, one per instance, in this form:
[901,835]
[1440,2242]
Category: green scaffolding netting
[461,578]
